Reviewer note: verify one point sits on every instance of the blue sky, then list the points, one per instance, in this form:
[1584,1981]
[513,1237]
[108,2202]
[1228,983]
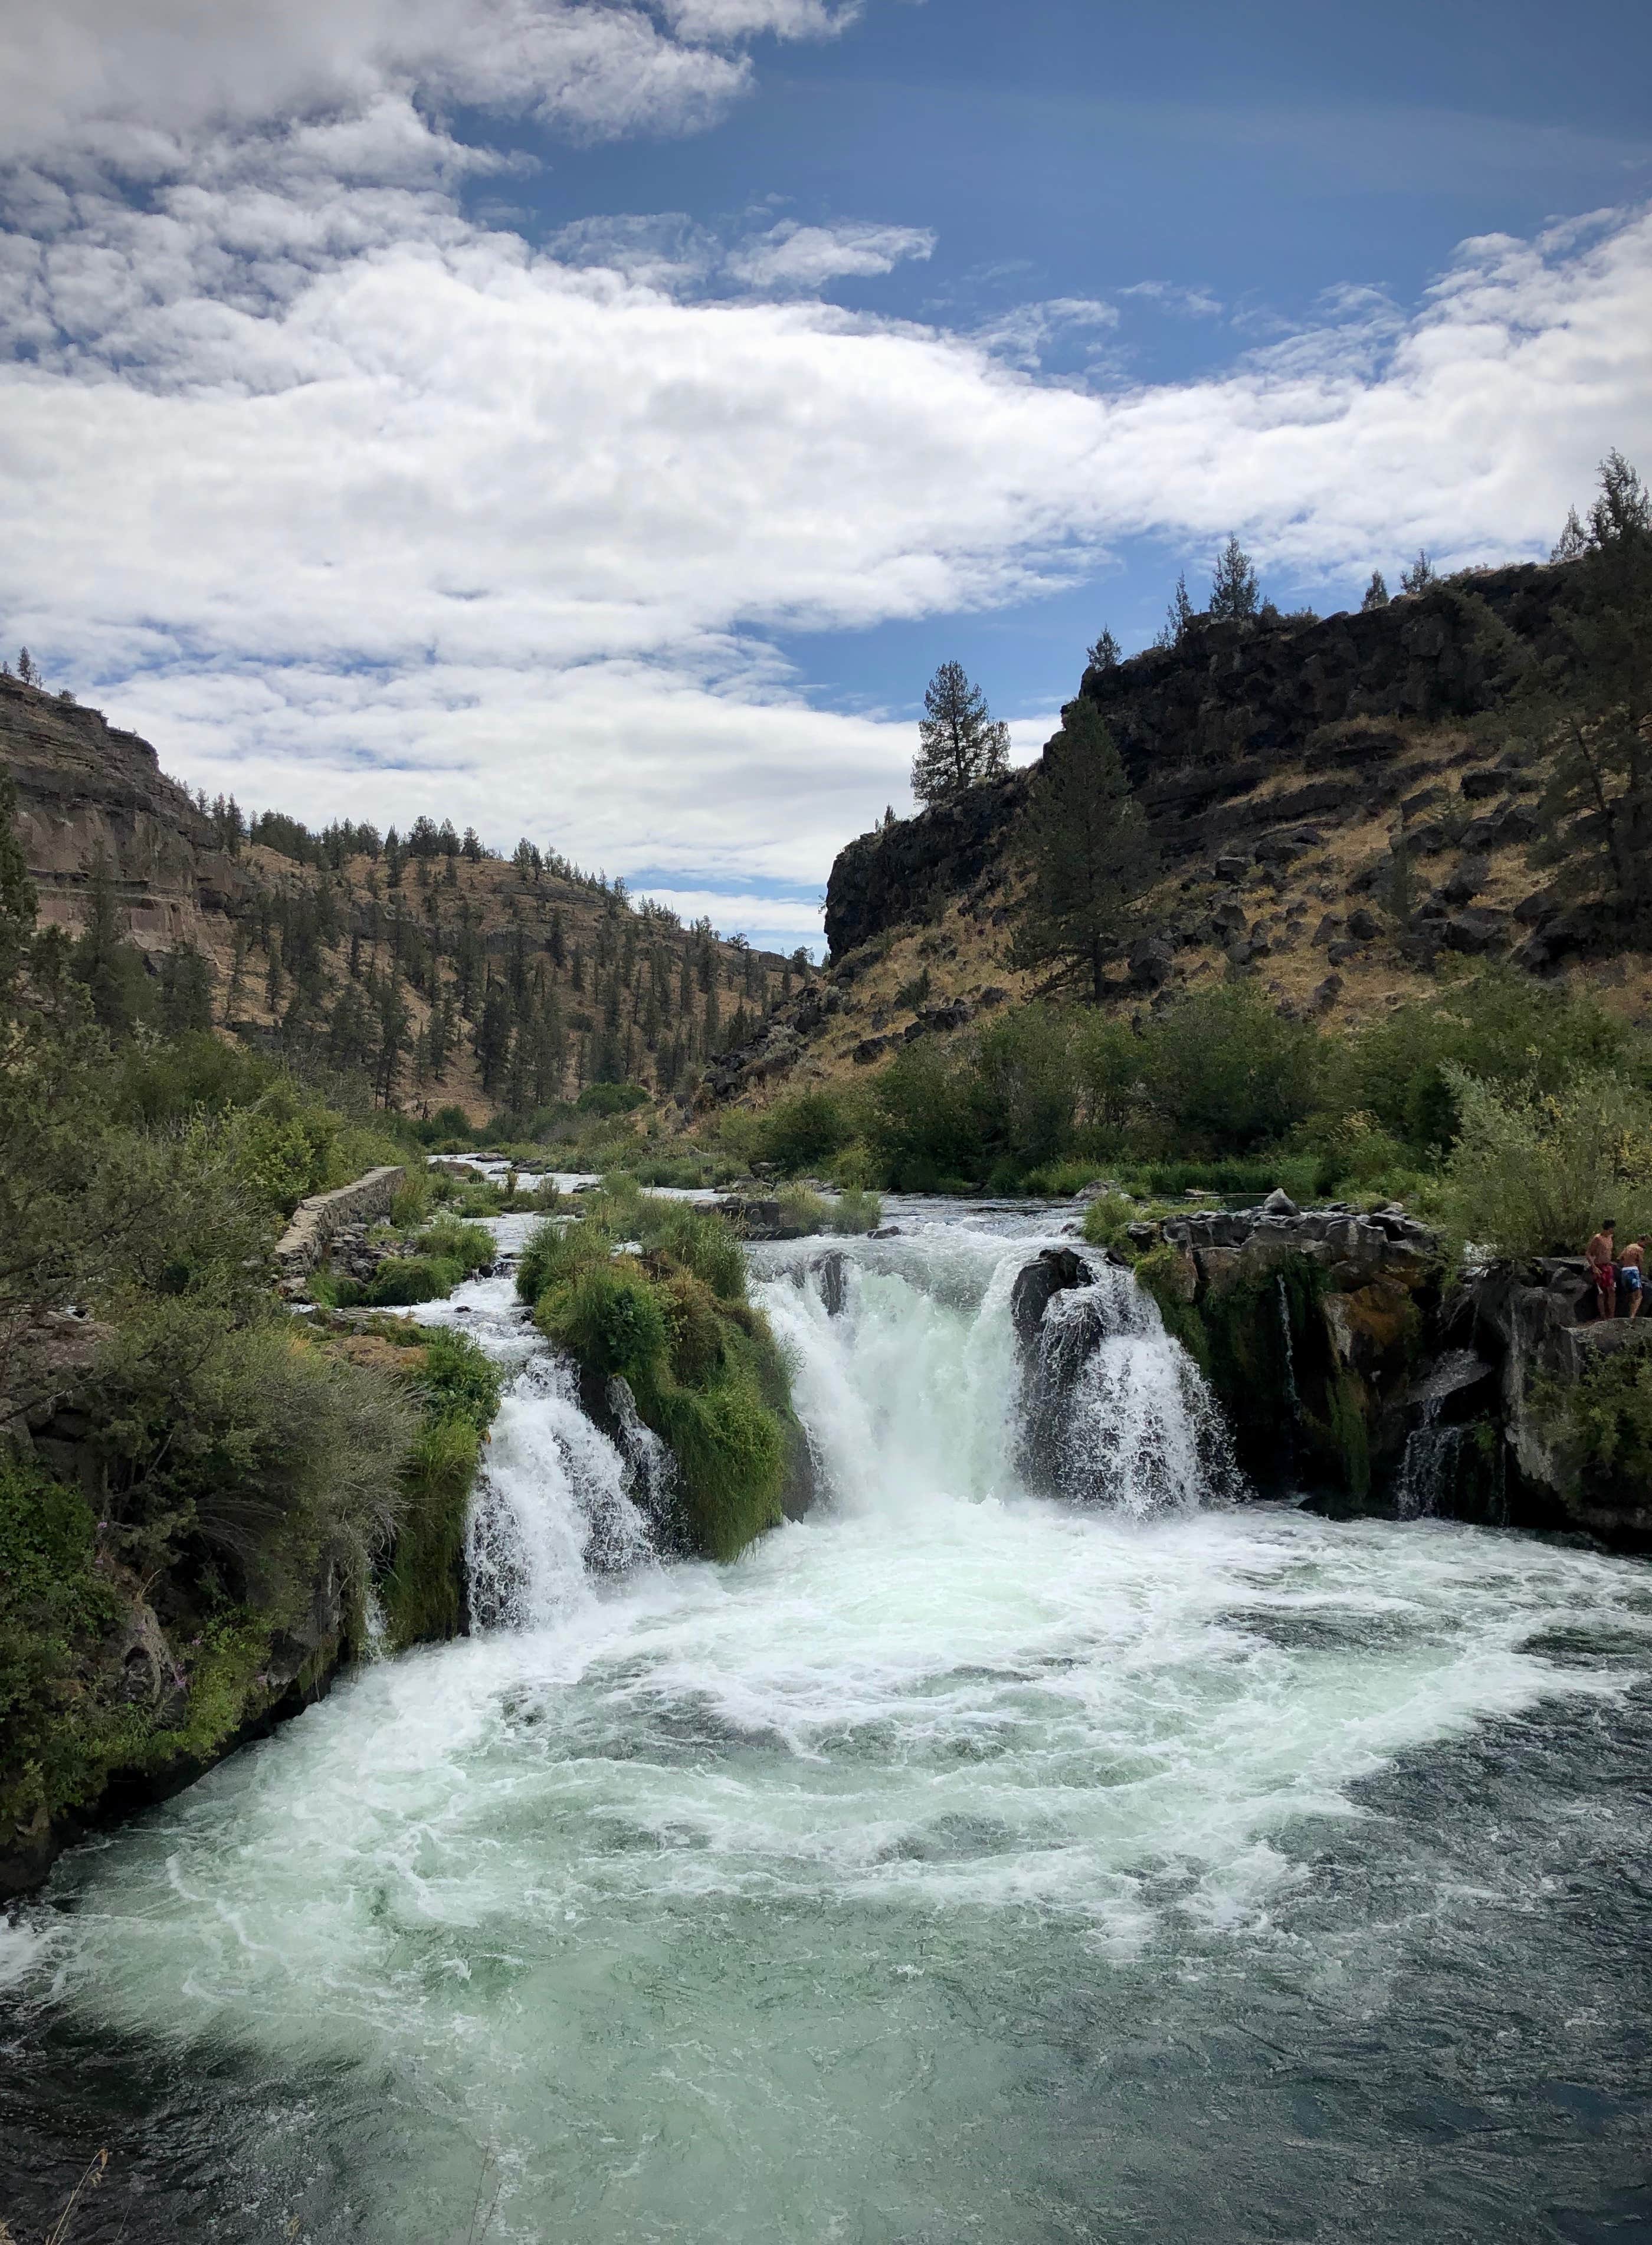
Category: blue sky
[597,421]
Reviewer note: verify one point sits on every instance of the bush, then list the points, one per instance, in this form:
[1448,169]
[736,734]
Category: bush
[608,1099]
[1604,1423]
[459,1380]
[401,1280]
[1105,1217]
[854,1212]
[610,1318]
[1533,1172]
[422,1594]
[804,1131]
[470,1245]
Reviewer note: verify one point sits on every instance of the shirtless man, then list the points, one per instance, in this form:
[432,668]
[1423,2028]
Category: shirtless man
[1600,1253]
[1632,1274]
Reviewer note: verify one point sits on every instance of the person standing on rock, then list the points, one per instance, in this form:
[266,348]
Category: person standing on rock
[1600,1253]
[1632,1275]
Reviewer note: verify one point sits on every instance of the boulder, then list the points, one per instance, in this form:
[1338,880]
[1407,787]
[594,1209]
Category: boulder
[1466,880]
[1363,924]
[1476,786]
[1055,1270]
[1151,959]
[1475,931]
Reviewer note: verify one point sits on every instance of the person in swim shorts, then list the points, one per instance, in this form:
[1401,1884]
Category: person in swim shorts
[1602,1254]
[1632,1275]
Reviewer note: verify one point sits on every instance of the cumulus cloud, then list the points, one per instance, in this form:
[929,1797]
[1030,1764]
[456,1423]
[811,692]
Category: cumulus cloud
[79,67]
[356,503]
[806,257]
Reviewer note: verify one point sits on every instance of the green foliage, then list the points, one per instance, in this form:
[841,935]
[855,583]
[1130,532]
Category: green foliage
[608,1099]
[459,1380]
[1499,1026]
[449,1240]
[1533,1172]
[702,1366]
[1088,854]
[610,1317]
[803,1132]
[421,1593]
[1225,1072]
[401,1281]
[1603,1423]
[1105,1217]
[244,1452]
[57,1739]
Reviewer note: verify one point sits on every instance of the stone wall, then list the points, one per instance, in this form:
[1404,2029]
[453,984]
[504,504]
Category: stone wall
[303,1243]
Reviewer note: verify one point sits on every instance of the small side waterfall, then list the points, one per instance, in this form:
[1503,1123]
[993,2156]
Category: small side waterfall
[553,1508]
[1118,1413]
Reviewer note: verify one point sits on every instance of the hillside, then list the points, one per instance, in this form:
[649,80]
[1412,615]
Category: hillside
[1343,806]
[442,976]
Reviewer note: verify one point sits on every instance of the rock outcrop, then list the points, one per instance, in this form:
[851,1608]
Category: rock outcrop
[86,789]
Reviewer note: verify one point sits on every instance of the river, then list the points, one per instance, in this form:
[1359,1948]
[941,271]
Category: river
[959,1865]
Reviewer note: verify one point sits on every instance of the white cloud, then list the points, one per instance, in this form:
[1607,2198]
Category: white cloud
[1193,303]
[76,68]
[1022,336]
[806,257]
[354,503]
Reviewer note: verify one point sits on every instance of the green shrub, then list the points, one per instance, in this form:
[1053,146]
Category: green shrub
[421,1593]
[699,1239]
[854,1212]
[401,1280]
[459,1380]
[804,1131]
[556,1251]
[411,1203]
[1533,1173]
[610,1318]
[1604,1423]
[805,1211]
[58,1739]
[1105,1217]
[450,1240]
[609,1099]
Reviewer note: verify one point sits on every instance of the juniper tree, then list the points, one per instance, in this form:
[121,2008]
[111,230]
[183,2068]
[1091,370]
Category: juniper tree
[1572,544]
[1420,575]
[1376,592]
[1179,617]
[960,744]
[1106,655]
[1235,594]
[1088,856]
[1592,701]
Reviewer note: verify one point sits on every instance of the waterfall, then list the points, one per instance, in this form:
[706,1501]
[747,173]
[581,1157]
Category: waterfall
[554,1506]
[1428,1469]
[907,1378]
[1293,1414]
[1130,1422]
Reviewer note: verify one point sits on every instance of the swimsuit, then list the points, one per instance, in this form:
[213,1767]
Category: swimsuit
[1629,1276]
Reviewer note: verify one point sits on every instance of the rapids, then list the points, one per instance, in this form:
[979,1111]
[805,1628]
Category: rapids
[961,1864]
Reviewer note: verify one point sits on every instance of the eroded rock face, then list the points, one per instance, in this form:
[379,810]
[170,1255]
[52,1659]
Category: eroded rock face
[84,787]
[1202,724]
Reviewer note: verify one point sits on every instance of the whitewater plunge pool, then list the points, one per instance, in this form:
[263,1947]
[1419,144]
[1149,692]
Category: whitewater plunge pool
[959,1865]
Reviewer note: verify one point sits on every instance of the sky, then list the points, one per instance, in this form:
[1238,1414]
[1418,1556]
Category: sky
[595,419]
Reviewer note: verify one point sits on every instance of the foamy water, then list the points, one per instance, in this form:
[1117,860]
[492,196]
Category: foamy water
[959,1864]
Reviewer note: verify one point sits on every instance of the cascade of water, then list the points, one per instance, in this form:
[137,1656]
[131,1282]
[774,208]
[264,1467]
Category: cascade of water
[1135,1427]
[554,1505]
[906,1378]
[1428,1469]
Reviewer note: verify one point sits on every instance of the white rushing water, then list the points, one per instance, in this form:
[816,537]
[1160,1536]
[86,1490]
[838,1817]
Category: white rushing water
[835,1893]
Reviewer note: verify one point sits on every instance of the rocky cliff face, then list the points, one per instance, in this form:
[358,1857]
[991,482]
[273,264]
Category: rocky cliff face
[87,789]
[1346,1367]
[1209,730]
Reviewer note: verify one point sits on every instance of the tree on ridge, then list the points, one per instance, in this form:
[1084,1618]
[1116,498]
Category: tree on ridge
[959,742]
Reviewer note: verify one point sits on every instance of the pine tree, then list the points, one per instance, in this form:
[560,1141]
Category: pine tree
[1106,655]
[1235,594]
[1178,620]
[1376,592]
[1623,509]
[27,669]
[471,848]
[1089,856]
[1421,575]
[959,744]
[1572,544]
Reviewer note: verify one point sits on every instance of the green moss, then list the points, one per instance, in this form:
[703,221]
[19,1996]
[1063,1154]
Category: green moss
[422,1594]
[701,1363]
[1601,1426]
